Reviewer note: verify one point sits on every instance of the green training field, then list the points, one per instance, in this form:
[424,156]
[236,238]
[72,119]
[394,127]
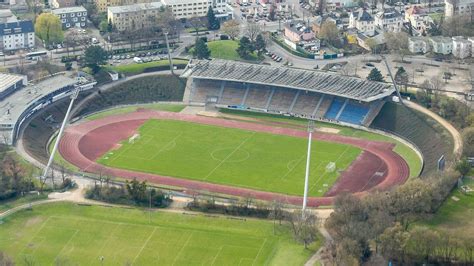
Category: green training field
[231,156]
[68,234]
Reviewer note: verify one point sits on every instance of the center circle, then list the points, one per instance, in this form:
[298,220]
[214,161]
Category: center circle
[230,155]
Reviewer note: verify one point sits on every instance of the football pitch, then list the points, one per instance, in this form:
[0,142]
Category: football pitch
[230,156]
[69,234]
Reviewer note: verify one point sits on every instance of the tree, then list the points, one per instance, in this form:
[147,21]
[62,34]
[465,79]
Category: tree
[252,31]
[397,43]
[463,167]
[375,75]
[231,28]
[201,50]
[401,77]
[104,26]
[245,47]
[94,56]
[330,33]
[304,227]
[260,44]
[212,21]
[48,28]
[394,241]
[372,44]
[136,189]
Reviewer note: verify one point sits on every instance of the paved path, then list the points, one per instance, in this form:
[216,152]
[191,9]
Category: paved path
[457,150]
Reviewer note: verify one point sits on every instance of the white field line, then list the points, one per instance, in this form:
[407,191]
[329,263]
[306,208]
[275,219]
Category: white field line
[228,156]
[67,243]
[35,234]
[166,146]
[261,248]
[217,255]
[144,245]
[182,248]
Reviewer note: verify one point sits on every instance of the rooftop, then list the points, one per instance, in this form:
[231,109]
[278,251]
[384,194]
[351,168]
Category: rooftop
[16,27]
[135,7]
[72,9]
[14,105]
[389,13]
[415,10]
[441,39]
[317,81]
[6,80]
[362,15]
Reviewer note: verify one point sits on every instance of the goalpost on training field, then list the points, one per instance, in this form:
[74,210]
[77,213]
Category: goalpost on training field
[132,139]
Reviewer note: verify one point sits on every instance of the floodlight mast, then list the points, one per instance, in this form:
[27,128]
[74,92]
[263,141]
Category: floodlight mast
[393,80]
[308,159]
[169,54]
[74,95]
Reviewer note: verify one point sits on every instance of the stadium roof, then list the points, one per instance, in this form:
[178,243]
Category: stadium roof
[7,80]
[317,81]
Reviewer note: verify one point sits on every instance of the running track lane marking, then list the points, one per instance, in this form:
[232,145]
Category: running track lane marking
[228,156]
[144,245]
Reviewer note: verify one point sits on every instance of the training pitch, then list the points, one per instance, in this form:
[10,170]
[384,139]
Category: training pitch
[69,234]
[230,156]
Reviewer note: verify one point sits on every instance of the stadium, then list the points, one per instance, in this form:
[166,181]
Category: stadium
[236,157]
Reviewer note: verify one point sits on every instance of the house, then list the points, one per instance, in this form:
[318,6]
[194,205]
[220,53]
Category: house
[62,3]
[418,45]
[458,7]
[297,31]
[418,18]
[389,20]
[102,5]
[75,16]
[6,15]
[461,47]
[471,39]
[441,45]
[17,35]
[362,21]
[134,17]
[375,41]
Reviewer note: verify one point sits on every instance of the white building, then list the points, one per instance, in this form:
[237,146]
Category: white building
[389,20]
[418,18]
[17,35]
[418,45]
[441,45]
[458,7]
[197,8]
[461,47]
[134,17]
[471,39]
[362,21]
[75,16]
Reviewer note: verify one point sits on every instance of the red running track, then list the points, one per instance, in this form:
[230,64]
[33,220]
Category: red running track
[377,168]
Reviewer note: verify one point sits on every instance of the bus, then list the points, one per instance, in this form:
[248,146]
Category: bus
[35,55]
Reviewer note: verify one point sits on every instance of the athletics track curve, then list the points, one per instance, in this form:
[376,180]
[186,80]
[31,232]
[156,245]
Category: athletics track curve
[86,141]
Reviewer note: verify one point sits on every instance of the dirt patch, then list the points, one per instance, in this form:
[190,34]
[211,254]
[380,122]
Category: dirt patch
[328,130]
[33,221]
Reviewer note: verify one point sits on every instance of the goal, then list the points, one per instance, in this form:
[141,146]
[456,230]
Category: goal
[331,167]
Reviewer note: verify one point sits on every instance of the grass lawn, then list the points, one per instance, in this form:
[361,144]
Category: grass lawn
[410,156]
[231,156]
[135,68]
[128,109]
[226,49]
[455,217]
[68,234]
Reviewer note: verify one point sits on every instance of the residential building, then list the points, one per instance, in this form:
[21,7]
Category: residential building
[17,35]
[389,20]
[62,3]
[461,47]
[471,39]
[377,41]
[297,31]
[102,5]
[198,8]
[75,16]
[418,18]
[418,45]
[134,17]
[362,21]
[441,45]
[458,7]
[6,15]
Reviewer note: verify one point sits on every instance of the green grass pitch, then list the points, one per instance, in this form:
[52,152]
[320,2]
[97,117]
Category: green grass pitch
[68,234]
[230,156]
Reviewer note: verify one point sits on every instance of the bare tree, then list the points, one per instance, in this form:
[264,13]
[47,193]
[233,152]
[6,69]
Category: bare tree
[5,260]
[304,227]
[252,31]
[231,28]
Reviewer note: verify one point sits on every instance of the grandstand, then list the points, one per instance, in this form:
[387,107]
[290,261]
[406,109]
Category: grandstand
[295,92]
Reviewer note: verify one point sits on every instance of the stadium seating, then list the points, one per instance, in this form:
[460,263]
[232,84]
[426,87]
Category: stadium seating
[306,103]
[233,93]
[354,113]
[257,96]
[282,99]
[334,109]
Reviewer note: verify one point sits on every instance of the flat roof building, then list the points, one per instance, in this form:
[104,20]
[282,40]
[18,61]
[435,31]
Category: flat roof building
[134,17]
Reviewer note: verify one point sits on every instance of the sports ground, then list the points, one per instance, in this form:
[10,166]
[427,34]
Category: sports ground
[230,157]
[65,233]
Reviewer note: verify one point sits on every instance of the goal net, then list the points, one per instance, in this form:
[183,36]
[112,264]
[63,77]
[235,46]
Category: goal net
[331,167]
